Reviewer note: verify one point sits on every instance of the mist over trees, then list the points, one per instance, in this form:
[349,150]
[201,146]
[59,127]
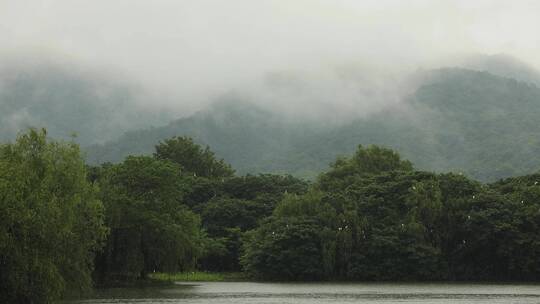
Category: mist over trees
[160,200]
[458,120]
[480,122]
[283,141]
[68,99]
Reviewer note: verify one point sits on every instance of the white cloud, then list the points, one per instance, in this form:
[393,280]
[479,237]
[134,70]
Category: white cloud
[195,49]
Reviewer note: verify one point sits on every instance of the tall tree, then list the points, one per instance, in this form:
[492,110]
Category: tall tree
[193,158]
[51,222]
[151,228]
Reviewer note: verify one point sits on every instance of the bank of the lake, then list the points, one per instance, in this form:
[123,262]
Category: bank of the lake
[198,276]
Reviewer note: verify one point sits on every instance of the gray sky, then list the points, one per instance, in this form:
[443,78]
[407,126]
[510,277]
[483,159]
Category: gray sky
[196,49]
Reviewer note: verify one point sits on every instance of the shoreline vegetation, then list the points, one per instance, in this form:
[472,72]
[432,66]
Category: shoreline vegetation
[199,276]
[66,227]
[157,279]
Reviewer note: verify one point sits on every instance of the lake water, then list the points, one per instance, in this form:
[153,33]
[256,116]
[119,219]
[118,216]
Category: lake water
[298,293]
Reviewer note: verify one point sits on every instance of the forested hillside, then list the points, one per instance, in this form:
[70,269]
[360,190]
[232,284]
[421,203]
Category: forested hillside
[483,124]
[458,120]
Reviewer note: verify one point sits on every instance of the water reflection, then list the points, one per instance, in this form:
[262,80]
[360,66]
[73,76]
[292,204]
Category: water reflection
[261,293]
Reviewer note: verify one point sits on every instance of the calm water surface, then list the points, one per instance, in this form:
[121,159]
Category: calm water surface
[259,293]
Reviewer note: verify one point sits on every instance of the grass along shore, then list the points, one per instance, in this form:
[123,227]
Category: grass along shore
[198,276]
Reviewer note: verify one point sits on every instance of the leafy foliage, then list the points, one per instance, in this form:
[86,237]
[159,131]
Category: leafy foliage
[192,159]
[371,216]
[51,222]
[399,224]
[241,203]
[151,229]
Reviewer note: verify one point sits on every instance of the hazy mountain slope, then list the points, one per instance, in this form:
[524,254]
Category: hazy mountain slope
[473,122]
[465,121]
[502,65]
[251,139]
[485,125]
[66,100]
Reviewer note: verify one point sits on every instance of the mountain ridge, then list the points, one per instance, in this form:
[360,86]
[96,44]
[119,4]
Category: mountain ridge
[438,128]
[481,120]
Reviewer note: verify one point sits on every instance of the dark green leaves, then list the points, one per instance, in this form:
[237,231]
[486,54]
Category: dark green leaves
[193,159]
[151,228]
[51,222]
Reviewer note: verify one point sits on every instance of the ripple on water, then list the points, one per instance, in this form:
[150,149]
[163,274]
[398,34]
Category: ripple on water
[298,293]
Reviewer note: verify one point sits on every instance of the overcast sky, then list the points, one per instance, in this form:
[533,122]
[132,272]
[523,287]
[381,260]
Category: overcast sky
[201,47]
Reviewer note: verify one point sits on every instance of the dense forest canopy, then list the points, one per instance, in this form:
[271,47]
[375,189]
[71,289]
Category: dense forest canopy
[371,216]
[395,223]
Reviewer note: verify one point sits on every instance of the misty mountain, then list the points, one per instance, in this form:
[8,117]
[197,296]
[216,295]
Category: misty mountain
[478,123]
[481,121]
[249,137]
[502,65]
[66,100]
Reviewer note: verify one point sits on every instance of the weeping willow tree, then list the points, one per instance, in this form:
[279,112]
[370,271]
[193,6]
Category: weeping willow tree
[51,222]
[151,228]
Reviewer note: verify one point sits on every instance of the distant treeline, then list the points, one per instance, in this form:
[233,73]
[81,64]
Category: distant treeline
[66,226]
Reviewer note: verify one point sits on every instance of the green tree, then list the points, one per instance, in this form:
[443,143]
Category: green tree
[375,218]
[371,160]
[51,222]
[296,243]
[399,214]
[193,159]
[285,249]
[238,204]
[151,228]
